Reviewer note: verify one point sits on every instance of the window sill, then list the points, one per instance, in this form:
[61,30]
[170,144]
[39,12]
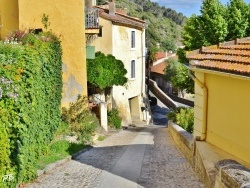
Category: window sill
[132,79]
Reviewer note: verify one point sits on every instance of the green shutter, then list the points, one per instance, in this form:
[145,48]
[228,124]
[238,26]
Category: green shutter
[90,52]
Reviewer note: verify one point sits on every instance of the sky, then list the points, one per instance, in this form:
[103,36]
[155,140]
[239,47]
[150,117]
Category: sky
[187,7]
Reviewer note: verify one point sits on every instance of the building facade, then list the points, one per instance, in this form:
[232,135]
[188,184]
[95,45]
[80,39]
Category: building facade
[124,37]
[67,21]
[222,86]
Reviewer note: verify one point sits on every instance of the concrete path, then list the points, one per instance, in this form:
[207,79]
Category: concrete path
[136,157]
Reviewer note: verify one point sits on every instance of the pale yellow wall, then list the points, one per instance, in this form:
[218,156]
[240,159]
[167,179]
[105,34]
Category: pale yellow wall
[104,43]
[122,50]
[67,22]
[228,123]
[8,17]
[199,130]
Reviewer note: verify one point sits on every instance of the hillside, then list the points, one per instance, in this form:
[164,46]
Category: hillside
[164,25]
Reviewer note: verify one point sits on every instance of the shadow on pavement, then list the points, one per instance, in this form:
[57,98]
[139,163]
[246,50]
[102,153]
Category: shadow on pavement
[159,114]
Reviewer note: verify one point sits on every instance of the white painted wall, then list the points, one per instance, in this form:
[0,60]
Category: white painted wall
[136,86]
[116,40]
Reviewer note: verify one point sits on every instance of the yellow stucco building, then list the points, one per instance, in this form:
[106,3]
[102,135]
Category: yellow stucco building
[222,87]
[67,22]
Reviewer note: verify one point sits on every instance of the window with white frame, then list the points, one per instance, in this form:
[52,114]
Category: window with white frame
[133,69]
[132,39]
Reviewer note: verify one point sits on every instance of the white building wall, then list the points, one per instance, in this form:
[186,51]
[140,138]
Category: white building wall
[136,86]
[116,40]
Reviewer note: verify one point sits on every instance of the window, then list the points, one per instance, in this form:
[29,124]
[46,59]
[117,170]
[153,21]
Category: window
[133,69]
[100,31]
[132,39]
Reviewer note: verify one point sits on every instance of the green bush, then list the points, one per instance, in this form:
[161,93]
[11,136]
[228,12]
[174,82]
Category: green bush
[172,114]
[80,119]
[30,98]
[184,117]
[114,120]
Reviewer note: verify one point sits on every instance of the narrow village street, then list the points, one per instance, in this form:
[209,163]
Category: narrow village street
[135,157]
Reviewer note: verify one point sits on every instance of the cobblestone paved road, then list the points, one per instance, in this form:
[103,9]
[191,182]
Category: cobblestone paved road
[162,164]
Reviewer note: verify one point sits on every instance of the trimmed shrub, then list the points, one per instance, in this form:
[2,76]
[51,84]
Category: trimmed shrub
[30,97]
[80,119]
[184,117]
[114,120]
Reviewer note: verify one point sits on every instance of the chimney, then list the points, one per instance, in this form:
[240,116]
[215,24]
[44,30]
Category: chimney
[112,7]
[90,3]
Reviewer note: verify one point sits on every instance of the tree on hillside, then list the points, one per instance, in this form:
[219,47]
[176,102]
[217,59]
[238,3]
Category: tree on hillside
[208,28]
[237,18]
[214,25]
[192,34]
[217,23]
[177,74]
[105,71]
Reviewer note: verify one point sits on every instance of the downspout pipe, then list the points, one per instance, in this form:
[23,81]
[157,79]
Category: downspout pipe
[205,103]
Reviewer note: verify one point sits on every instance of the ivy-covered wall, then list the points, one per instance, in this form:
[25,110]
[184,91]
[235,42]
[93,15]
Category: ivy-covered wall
[30,97]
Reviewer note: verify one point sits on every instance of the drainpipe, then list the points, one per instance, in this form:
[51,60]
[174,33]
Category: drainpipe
[204,111]
[143,61]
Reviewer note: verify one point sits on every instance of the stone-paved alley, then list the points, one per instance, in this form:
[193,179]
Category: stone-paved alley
[135,157]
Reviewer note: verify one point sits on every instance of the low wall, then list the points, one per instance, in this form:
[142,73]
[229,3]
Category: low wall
[161,95]
[216,168]
[183,140]
[181,100]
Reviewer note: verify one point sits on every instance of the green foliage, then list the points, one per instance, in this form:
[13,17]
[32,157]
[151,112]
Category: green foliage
[237,16]
[164,25]
[31,86]
[182,80]
[178,74]
[217,23]
[101,138]
[58,150]
[181,54]
[193,37]
[114,120]
[151,55]
[213,22]
[184,117]
[45,21]
[80,119]
[106,71]
[171,68]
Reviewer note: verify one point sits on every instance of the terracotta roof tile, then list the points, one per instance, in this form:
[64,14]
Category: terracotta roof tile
[121,19]
[159,68]
[160,55]
[231,57]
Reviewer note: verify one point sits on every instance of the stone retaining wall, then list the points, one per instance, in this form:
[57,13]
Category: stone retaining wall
[161,95]
[224,173]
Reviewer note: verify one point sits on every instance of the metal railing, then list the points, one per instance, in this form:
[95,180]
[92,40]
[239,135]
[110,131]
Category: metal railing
[91,18]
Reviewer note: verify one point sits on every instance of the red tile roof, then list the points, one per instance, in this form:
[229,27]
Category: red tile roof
[160,55]
[121,19]
[159,68]
[231,57]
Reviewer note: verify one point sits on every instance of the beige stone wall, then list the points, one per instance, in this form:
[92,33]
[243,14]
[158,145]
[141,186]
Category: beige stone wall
[183,139]
[215,167]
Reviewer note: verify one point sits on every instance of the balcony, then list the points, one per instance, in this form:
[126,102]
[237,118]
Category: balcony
[92,20]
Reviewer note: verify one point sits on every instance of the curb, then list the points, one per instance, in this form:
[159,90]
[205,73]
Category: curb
[50,167]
